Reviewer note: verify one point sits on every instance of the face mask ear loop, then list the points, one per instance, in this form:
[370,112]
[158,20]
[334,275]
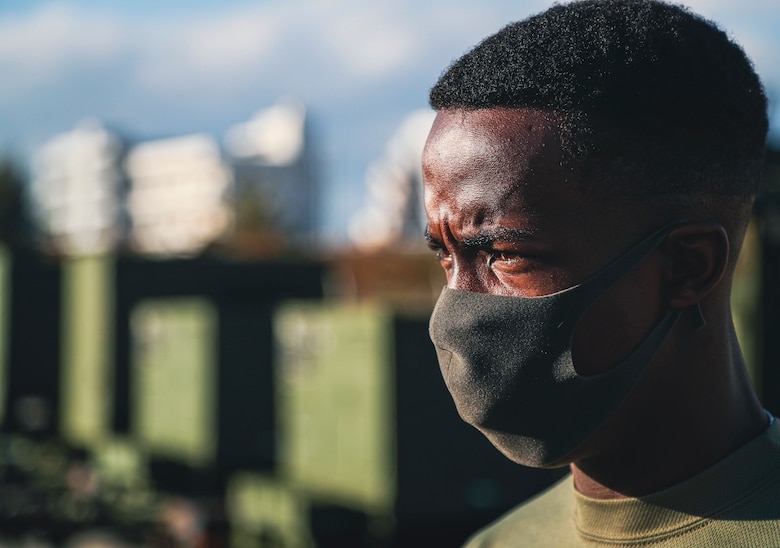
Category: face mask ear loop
[698,317]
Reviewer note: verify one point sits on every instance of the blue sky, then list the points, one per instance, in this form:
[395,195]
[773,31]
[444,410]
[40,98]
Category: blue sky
[156,68]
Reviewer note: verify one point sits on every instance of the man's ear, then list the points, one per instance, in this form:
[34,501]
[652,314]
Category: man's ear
[698,258]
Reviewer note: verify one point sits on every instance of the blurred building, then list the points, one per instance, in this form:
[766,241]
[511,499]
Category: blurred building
[276,188]
[77,190]
[93,193]
[394,214]
[177,195]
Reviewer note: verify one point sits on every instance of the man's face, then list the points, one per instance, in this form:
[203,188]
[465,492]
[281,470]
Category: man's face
[506,218]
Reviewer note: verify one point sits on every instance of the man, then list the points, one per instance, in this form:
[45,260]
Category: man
[588,182]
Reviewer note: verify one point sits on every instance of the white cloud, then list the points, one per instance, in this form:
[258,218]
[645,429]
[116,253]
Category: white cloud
[233,41]
[173,56]
[42,45]
[369,42]
[338,43]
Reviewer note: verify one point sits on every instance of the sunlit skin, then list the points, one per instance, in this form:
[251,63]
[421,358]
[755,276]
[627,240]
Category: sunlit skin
[505,217]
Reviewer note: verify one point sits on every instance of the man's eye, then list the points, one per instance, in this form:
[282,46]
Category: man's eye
[508,261]
[443,255]
[505,256]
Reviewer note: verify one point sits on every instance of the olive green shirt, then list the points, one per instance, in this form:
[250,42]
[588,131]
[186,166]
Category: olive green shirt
[734,503]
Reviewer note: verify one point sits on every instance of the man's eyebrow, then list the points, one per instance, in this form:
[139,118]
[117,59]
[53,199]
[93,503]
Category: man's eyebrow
[484,238]
[489,237]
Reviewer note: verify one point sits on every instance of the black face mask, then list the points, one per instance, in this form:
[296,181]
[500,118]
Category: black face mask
[507,362]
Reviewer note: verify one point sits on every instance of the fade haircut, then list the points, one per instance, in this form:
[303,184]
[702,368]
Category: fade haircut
[650,99]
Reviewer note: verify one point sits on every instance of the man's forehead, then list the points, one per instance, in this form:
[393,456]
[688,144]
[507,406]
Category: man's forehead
[500,150]
[459,138]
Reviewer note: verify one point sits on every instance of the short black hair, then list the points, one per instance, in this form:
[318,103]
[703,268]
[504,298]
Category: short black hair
[650,98]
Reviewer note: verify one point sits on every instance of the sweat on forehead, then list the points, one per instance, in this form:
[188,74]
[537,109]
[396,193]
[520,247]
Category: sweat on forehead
[507,143]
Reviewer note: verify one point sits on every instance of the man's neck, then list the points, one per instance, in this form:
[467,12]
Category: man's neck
[672,456]
[670,432]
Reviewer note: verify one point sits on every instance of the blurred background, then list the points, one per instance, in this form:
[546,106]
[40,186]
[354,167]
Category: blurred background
[214,292]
